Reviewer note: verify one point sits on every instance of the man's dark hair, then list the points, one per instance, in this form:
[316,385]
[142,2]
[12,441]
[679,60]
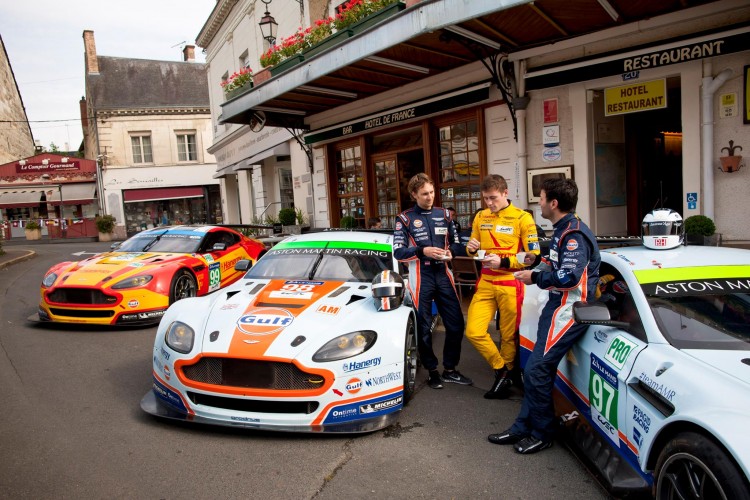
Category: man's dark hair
[564,191]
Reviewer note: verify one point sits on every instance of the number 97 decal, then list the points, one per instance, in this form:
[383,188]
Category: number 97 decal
[603,398]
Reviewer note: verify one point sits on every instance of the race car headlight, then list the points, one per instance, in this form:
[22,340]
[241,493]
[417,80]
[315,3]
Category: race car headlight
[133,282]
[49,280]
[346,346]
[180,337]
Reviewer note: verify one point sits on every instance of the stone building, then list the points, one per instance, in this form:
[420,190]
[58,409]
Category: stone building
[16,140]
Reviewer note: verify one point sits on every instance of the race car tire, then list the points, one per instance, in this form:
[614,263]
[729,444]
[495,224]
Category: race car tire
[183,286]
[410,360]
[693,466]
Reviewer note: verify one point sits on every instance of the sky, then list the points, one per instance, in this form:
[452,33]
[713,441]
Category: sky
[44,42]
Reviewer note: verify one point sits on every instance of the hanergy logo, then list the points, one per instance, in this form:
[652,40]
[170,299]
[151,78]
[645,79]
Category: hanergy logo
[265,321]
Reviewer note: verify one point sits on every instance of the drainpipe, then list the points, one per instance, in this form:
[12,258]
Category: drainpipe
[520,104]
[708,89]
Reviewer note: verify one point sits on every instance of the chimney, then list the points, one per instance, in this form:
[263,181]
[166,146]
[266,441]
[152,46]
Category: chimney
[89,45]
[84,112]
[188,53]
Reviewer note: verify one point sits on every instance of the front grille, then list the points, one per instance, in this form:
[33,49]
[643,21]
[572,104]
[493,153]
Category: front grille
[75,313]
[252,374]
[80,296]
[254,405]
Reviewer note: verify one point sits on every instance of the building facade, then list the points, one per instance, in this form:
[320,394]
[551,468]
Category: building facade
[638,103]
[147,125]
[16,140]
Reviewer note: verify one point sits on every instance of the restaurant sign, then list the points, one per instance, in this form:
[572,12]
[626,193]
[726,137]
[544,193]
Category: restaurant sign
[23,167]
[643,96]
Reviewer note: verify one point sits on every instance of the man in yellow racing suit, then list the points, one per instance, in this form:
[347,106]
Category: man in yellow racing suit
[503,231]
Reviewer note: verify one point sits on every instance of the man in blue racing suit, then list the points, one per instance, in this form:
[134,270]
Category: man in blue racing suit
[571,274]
[424,238]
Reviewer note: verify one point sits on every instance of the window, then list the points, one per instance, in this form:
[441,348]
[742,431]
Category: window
[244,60]
[186,147]
[141,145]
[350,185]
[286,190]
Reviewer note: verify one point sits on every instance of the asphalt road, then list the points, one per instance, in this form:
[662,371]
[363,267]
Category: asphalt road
[71,427]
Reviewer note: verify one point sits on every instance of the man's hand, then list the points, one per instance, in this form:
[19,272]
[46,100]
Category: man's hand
[473,245]
[524,277]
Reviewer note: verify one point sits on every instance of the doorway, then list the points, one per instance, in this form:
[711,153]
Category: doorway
[392,174]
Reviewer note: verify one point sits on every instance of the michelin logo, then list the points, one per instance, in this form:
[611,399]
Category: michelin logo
[382,405]
[354,366]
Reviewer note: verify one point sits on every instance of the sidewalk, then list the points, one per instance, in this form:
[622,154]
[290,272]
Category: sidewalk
[13,256]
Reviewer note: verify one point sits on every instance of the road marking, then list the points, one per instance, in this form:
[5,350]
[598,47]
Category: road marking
[78,254]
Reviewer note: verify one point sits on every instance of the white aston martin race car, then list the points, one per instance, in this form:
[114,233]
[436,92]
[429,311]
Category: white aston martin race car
[656,395]
[318,336]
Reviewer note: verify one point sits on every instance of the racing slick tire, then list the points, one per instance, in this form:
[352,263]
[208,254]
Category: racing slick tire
[693,466]
[183,286]
[410,360]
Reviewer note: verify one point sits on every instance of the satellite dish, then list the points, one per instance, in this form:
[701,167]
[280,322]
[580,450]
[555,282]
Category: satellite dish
[258,121]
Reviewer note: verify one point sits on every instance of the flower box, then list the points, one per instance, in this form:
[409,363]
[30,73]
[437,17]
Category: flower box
[262,75]
[286,64]
[377,17]
[238,91]
[329,42]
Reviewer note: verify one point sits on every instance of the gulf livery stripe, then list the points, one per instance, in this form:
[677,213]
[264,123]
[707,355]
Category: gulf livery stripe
[378,247]
[344,402]
[691,273]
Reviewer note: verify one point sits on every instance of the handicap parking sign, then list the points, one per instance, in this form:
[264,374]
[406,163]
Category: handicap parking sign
[692,200]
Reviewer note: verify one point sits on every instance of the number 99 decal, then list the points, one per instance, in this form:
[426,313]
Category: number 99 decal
[214,276]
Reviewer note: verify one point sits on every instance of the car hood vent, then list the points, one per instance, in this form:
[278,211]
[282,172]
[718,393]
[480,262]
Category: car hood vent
[355,298]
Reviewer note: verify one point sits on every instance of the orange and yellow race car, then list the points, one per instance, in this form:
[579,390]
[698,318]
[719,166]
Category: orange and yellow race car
[137,281]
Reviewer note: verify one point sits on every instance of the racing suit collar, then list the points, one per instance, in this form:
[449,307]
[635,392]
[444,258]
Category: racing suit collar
[564,219]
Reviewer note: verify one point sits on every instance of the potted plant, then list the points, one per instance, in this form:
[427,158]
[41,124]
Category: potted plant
[105,224]
[731,162]
[348,222]
[33,230]
[700,230]
[238,83]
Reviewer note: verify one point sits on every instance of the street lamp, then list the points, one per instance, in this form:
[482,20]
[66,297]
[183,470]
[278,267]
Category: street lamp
[268,25]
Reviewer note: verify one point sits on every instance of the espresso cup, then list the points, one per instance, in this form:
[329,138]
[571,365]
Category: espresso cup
[521,256]
[480,253]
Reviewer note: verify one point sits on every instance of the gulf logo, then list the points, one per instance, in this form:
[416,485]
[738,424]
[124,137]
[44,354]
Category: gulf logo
[571,245]
[265,321]
[417,223]
[353,386]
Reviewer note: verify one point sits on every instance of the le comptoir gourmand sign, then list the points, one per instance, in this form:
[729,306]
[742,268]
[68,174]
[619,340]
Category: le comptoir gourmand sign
[643,96]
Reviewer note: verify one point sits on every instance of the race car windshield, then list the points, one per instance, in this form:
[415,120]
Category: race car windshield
[322,264]
[160,242]
[704,321]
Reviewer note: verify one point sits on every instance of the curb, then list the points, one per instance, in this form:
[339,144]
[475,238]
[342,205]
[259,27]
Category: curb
[30,255]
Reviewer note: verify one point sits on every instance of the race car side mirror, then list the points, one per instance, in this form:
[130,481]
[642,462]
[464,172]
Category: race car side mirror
[219,246]
[241,265]
[595,313]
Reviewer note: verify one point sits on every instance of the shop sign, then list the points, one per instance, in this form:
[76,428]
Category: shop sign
[402,114]
[643,96]
[550,111]
[40,168]
[552,154]
[551,135]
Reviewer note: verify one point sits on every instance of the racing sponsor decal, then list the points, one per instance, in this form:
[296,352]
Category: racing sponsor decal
[380,405]
[486,227]
[418,223]
[353,366]
[553,255]
[533,246]
[142,315]
[168,396]
[441,231]
[290,294]
[229,264]
[637,438]
[214,276]
[399,226]
[264,321]
[344,413]
[660,389]
[209,258]
[504,229]
[133,303]
[167,372]
[229,306]
[601,336]
[327,309]
[619,350]
[126,256]
[164,353]
[353,386]
[703,287]
[603,396]
[384,379]
[641,419]
[136,264]
[244,419]
[571,245]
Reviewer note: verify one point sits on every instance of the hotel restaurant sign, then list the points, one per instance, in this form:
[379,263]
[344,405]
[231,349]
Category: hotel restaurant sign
[23,167]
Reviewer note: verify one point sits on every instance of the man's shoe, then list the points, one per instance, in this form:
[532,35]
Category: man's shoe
[455,377]
[435,381]
[505,437]
[501,387]
[530,444]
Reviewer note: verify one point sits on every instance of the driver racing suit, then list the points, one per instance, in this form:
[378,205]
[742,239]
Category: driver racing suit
[431,279]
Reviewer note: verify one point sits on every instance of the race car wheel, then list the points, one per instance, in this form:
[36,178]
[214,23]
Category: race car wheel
[410,361]
[693,466]
[183,286]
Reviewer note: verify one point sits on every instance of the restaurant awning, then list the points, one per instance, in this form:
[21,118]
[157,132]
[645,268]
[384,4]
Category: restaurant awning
[73,194]
[431,38]
[158,194]
[19,198]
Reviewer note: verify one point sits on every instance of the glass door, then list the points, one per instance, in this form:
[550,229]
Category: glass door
[386,190]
